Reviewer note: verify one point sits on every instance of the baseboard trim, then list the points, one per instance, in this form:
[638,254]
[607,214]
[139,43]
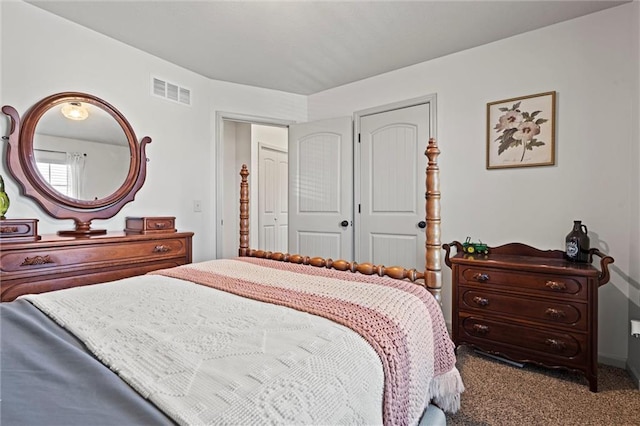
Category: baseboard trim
[635,375]
[612,361]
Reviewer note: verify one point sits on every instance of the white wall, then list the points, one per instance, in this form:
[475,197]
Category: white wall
[230,191]
[590,62]
[241,146]
[274,136]
[43,54]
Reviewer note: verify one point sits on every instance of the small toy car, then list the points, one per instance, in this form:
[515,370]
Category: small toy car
[472,248]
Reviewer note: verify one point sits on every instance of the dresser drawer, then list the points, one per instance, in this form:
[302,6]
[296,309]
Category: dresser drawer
[549,312]
[150,225]
[44,283]
[515,338]
[56,262]
[12,230]
[533,283]
[56,259]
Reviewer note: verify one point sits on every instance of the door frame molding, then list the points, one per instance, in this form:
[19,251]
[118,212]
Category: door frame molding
[430,99]
[220,117]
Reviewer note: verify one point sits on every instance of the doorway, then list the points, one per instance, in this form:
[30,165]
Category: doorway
[239,138]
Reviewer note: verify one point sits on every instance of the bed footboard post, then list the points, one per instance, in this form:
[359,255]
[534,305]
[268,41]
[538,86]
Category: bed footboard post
[244,212]
[433,266]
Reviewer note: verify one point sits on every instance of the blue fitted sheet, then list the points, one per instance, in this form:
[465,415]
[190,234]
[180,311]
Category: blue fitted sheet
[47,377]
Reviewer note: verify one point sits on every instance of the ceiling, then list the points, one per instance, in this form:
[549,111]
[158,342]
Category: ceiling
[306,47]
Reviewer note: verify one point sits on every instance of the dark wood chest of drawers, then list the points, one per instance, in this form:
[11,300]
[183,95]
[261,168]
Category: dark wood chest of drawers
[528,305]
[56,262]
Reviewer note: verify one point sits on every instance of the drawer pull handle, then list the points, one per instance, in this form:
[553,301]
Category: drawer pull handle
[481,301]
[36,260]
[481,277]
[481,329]
[555,313]
[556,345]
[8,229]
[161,249]
[160,225]
[555,285]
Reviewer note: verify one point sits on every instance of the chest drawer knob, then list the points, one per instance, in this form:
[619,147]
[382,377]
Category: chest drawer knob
[481,277]
[480,329]
[161,249]
[555,285]
[555,313]
[556,345]
[480,301]
[160,225]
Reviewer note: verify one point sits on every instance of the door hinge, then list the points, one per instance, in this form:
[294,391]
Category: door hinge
[358,137]
[358,208]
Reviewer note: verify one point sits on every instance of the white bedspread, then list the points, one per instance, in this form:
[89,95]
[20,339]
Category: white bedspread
[209,357]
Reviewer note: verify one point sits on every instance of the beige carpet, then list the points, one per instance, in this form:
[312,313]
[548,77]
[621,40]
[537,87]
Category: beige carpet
[500,394]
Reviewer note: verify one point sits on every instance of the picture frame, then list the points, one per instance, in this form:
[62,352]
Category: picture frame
[521,131]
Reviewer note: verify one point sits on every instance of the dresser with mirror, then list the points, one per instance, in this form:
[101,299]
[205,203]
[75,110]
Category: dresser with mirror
[78,158]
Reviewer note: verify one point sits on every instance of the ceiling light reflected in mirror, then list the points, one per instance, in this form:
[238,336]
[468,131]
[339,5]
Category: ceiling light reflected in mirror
[75,111]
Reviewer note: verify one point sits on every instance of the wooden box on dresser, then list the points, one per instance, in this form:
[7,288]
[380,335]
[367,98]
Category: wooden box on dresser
[528,305]
[57,262]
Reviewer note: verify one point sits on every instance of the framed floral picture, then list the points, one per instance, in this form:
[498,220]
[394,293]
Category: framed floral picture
[521,131]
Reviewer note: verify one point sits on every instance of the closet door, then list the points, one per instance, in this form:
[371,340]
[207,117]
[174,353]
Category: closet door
[391,224]
[321,188]
[272,199]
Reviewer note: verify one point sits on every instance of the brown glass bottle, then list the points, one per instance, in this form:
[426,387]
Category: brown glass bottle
[577,243]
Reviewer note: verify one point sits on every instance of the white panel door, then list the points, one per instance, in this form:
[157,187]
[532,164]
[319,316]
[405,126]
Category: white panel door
[321,188]
[272,199]
[392,197]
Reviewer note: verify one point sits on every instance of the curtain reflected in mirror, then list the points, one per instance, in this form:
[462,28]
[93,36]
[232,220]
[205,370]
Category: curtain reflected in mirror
[75,170]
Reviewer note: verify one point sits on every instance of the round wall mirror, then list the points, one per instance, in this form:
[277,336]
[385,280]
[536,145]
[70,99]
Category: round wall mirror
[77,156]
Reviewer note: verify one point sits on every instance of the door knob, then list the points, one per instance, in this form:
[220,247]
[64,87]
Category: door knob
[344,223]
[422,224]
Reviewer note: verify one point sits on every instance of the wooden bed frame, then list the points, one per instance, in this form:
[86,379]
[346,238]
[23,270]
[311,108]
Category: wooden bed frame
[431,277]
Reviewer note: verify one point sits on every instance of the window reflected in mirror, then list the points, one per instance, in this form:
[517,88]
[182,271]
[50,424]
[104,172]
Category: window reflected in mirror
[52,165]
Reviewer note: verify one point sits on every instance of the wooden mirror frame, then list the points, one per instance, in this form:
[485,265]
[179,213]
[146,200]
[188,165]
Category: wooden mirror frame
[22,166]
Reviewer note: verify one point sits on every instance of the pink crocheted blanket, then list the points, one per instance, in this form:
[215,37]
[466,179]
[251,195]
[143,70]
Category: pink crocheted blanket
[399,319]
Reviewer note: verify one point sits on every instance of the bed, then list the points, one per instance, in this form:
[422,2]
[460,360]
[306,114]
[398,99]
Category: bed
[264,338]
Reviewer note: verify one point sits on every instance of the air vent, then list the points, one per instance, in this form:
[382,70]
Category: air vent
[170,91]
